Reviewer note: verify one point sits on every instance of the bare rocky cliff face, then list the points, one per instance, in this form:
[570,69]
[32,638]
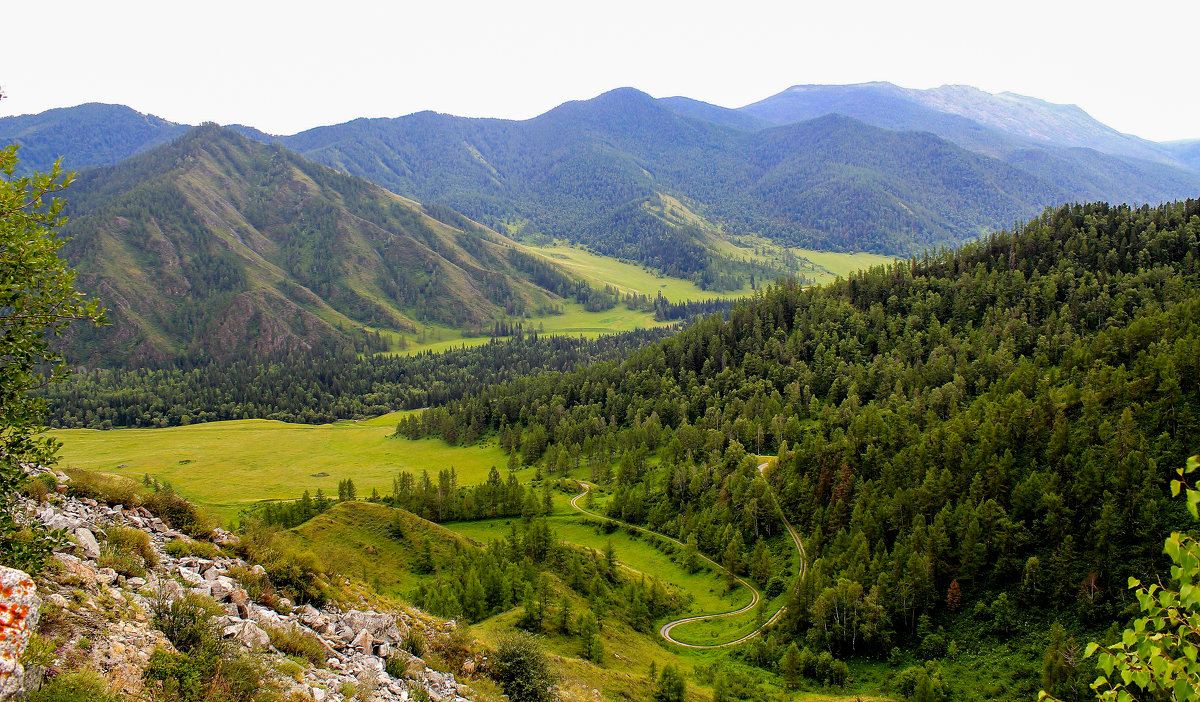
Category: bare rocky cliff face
[109,617]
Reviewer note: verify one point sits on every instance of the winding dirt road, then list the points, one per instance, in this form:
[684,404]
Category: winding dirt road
[756,596]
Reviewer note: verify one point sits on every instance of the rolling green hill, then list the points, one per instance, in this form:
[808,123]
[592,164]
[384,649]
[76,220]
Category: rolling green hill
[217,245]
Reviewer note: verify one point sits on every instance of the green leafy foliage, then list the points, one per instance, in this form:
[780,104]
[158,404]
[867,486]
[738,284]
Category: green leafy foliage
[1156,657]
[38,301]
[522,669]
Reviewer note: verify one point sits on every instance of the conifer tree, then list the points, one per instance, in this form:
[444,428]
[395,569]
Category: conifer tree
[789,666]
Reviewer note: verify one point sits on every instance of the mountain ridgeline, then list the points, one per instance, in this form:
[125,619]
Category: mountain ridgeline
[595,171]
[669,182]
[218,246]
[977,440]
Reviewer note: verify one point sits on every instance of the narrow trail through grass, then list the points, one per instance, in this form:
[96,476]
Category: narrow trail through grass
[666,629]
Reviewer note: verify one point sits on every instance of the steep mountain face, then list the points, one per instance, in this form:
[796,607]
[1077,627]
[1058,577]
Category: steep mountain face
[596,170]
[1060,144]
[217,245]
[88,135]
[969,116]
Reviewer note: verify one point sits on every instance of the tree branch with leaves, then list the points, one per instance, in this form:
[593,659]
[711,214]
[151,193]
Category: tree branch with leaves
[1158,656]
[38,300]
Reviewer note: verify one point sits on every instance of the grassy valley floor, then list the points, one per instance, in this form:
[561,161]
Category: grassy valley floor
[227,466]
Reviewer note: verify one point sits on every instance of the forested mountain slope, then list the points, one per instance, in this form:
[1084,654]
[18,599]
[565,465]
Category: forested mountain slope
[1060,144]
[94,134]
[960,113]
[594,170]
[997,422]
[216,245]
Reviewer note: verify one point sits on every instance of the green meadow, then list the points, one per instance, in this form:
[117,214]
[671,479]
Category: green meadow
[226,466]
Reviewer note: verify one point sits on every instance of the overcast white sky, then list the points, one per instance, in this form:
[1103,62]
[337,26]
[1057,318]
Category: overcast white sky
[284,67]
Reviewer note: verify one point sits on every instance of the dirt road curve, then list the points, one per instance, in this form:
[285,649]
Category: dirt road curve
[756,596]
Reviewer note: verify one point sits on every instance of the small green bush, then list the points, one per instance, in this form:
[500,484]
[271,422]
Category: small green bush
[40,487]
[180,548]
[414,643]
[74,686]
[127,551]
[178,512]
[298,574]
[133,541]
[127,564]
[188,624]
[255,584]
[39,652]
[395,667]
[109,489]
[299,643]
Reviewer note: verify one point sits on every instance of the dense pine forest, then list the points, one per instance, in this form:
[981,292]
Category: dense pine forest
[972,440]
[975,444]
[319,386]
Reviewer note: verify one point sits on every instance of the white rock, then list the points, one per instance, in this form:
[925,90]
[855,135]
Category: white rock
[190,577]
[248,634]
[19,622]
[363,642]
[87,543]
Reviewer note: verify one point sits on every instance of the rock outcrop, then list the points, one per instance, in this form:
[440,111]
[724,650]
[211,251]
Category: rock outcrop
[19,607]
[113,614]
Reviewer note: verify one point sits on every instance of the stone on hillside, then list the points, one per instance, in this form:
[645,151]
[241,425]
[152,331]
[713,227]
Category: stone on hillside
[73,568]
[190,577]
[247,634]
[107,576]
[135,584]
[364,642]
[62,521]
[309,615]
[221,537]
[170,590]
[19,605]
[212,573]
[87,543]
[239,597]
[218,591]
[368,621]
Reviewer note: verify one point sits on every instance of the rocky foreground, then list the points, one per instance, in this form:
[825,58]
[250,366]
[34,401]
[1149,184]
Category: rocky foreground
[109,617]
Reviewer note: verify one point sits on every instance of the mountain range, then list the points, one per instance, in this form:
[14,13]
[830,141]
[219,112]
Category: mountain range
[192,233]
[597,171]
